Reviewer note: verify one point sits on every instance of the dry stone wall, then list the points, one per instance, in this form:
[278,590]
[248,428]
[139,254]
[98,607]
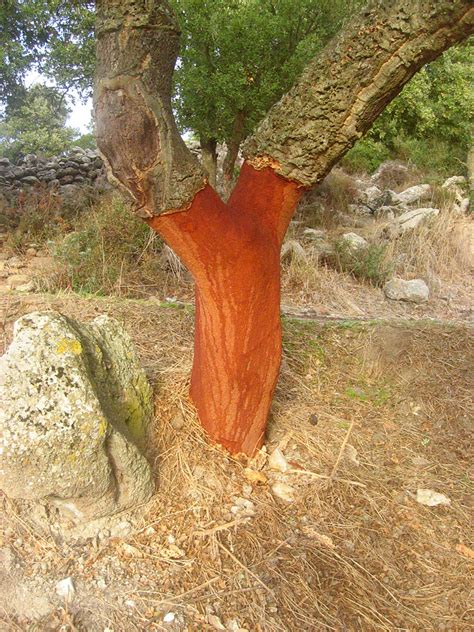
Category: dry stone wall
[76,169]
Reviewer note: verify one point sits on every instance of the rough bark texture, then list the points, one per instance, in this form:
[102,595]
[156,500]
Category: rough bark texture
[233,252]
[137,46]
[342,92]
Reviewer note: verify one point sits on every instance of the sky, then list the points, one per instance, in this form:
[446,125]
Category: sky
[81,115]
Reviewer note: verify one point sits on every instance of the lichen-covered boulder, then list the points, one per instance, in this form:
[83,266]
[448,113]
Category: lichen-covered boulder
[75,408]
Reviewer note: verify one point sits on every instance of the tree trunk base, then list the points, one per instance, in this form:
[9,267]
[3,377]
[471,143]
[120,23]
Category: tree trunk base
[233,253]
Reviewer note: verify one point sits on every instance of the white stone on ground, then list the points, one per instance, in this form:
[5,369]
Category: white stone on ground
[354,241]
[415,291]
[415,193]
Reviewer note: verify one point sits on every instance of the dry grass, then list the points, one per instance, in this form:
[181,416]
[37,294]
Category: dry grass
[320,206]
[442,248]
[364,414]
[112,252]
[441,251]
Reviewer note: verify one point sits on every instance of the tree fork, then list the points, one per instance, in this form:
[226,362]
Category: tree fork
[232,250]
[233,253]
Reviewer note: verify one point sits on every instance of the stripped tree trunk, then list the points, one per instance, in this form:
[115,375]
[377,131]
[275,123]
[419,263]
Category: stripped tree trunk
[233,253]
[232,250]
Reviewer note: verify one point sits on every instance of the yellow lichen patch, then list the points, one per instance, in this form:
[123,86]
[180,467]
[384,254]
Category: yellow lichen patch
[102,427]
[69,345]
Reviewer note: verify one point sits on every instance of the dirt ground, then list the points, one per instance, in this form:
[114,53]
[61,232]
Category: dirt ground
[365,415]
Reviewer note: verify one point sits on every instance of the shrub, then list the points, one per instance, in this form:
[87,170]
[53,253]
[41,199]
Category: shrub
[110,251]
[366,156]
[320,205]
[435,156]
[36,217]
[368,264]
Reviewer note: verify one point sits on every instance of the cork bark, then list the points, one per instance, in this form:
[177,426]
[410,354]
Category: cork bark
[137,47]
[347,86]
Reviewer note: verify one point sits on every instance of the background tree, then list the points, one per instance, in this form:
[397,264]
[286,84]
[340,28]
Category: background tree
[37,124]
[23,32]
[52,37]
[233,249]
[238,58]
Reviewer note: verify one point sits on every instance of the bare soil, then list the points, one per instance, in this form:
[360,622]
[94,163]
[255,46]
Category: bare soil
[366,413]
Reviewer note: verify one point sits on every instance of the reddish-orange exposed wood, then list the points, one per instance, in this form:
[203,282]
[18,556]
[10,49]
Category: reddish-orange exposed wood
[233,253]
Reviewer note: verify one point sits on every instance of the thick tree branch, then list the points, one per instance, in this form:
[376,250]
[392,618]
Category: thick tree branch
[342,92]
[137,46]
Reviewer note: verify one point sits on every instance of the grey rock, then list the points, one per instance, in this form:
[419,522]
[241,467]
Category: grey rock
[26,287]
[372,193]
[47,176]
[30,180]
[30,159]
[314,234]
[388,212]
[464,205]
[415,291]
[75,406]
[4,162]
[360,209]
[66,171]
[408,221]
[51,164]
[292,250]
[411,219]
[414,194]
[388,198]
[354,241]
[453,181]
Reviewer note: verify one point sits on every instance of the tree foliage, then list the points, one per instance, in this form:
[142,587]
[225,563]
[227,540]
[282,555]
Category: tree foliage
[240,57]
[237,57]
[38,125]
[23,34]
[50,36]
